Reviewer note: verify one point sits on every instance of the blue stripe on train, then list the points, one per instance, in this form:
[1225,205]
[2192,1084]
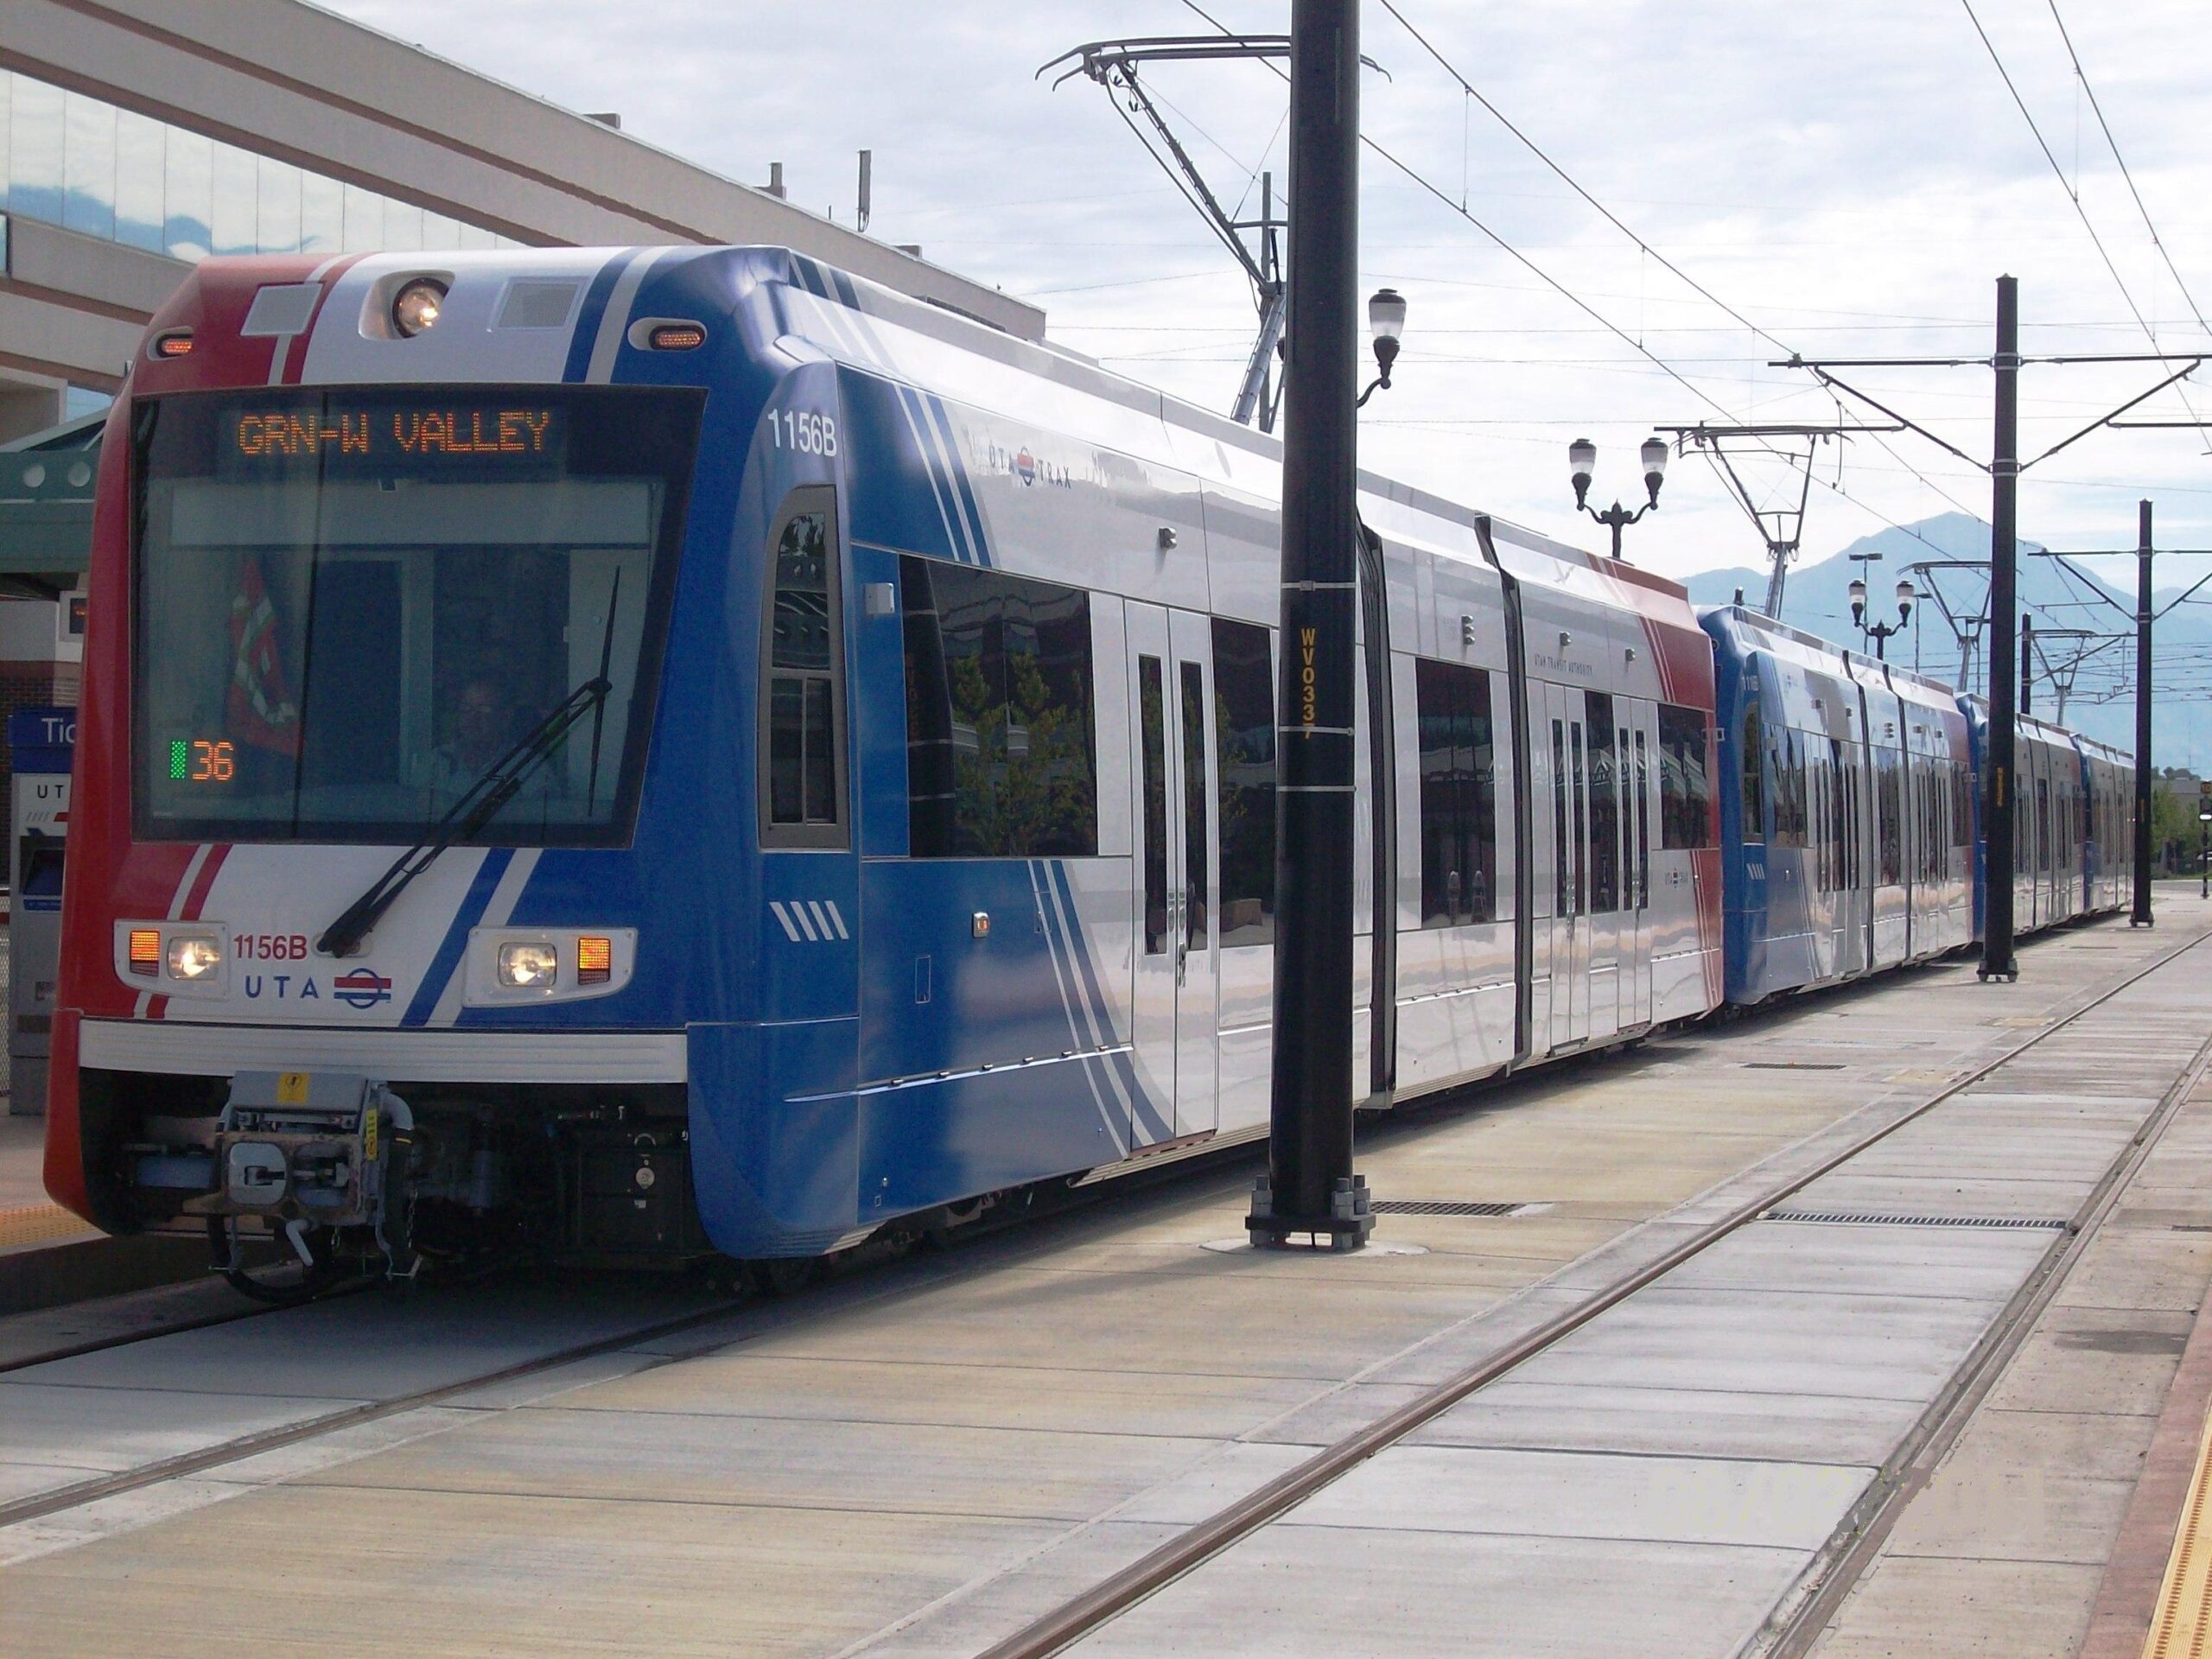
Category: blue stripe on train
[594,309]
[466,916]
[1123,1063]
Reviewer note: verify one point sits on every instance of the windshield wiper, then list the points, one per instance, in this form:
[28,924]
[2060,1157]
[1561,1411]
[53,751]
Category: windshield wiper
[483,801]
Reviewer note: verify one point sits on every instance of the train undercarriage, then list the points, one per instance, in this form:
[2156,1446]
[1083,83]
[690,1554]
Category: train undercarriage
[305,1181]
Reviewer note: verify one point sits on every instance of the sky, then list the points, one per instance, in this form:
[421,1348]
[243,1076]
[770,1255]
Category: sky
[1844,181]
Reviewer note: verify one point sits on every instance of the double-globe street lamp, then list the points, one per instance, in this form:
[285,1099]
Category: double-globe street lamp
[1582,462]
[1879,632]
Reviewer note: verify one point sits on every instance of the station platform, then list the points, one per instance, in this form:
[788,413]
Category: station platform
[27,1216]
[1862,1326]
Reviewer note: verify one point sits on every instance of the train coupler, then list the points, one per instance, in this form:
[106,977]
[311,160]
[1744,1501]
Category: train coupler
[312,1155]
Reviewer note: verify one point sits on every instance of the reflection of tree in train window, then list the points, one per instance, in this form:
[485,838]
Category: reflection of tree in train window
[1685,793]
[1458,794]
[1753,794]
[1011,688]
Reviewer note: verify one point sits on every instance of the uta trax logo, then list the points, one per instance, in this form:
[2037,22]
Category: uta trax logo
[1026,467]
[361,988]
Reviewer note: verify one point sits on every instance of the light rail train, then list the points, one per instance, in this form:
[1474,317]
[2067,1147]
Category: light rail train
[647,752]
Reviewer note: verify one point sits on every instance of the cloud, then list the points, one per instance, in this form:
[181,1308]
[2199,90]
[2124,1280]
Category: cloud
[1850,178]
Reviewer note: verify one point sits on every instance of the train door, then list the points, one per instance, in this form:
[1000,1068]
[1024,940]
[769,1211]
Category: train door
[1866,865]
[1638,745]
[1570,838]
[1607,908]
[2041,829]
[1820,898]
[1174,1019]
[1843,868]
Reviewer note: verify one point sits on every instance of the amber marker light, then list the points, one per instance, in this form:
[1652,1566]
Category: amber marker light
[145,950]
[595,960]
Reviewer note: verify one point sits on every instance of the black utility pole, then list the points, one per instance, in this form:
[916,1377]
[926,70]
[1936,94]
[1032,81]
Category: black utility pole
[1310,1190]
[1997,795]
[2004,467]
[2141,915]
[2027,663]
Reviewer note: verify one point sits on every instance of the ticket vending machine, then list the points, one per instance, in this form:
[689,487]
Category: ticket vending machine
[40,741]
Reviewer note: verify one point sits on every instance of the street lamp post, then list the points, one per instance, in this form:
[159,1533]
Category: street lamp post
[1880,633]
[1582,463]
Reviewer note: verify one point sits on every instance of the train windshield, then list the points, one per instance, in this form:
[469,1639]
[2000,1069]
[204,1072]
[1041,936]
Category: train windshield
[352,602]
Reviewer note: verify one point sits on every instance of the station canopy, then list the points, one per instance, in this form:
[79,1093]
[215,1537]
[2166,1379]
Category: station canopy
[46,507]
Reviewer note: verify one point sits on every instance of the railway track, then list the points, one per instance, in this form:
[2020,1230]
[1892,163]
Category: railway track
[1082,1614]
[1078,1616]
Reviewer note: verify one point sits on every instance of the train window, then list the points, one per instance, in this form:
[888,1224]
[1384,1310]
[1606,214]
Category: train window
[800,751]
[1753,792]
[1152,742]
[1643,824]
[1823,788]
[1458,795]
[1563,871]
[1889,814]
[1789,790]
[1581,847]
[1838,824]
[1001,756]
[1933,827]
[1605,807]
[367,621]
[1685,791]
[1915,857]
[1244,749]
[1942,824]
[1194,805]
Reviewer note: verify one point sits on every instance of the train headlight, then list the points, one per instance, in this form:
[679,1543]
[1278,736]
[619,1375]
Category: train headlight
[529,965]
[415,308]
[193,956]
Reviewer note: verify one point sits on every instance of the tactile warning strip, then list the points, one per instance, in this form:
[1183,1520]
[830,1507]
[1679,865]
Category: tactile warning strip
[2183,1625]
[38,1222]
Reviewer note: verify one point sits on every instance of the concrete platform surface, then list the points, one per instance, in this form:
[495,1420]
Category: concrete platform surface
[921,1459]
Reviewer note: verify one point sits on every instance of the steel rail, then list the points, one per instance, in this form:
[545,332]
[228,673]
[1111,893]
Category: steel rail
[79,1493]
[1907,1471]
[125,1339]
[1146,1577]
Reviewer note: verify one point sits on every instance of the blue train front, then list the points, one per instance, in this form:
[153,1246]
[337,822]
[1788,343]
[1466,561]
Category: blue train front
[1851,813]
[379,523]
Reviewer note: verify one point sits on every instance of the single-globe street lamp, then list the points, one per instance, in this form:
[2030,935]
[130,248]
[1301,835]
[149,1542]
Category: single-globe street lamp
[1880,631]
[1386,318]
[1582,462]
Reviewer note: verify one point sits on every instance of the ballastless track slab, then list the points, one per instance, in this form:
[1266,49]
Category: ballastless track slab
[933,1457]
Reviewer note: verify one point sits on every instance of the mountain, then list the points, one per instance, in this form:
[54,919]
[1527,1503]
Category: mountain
[1939,553]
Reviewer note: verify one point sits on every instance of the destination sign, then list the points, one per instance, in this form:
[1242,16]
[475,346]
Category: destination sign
[483,432]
